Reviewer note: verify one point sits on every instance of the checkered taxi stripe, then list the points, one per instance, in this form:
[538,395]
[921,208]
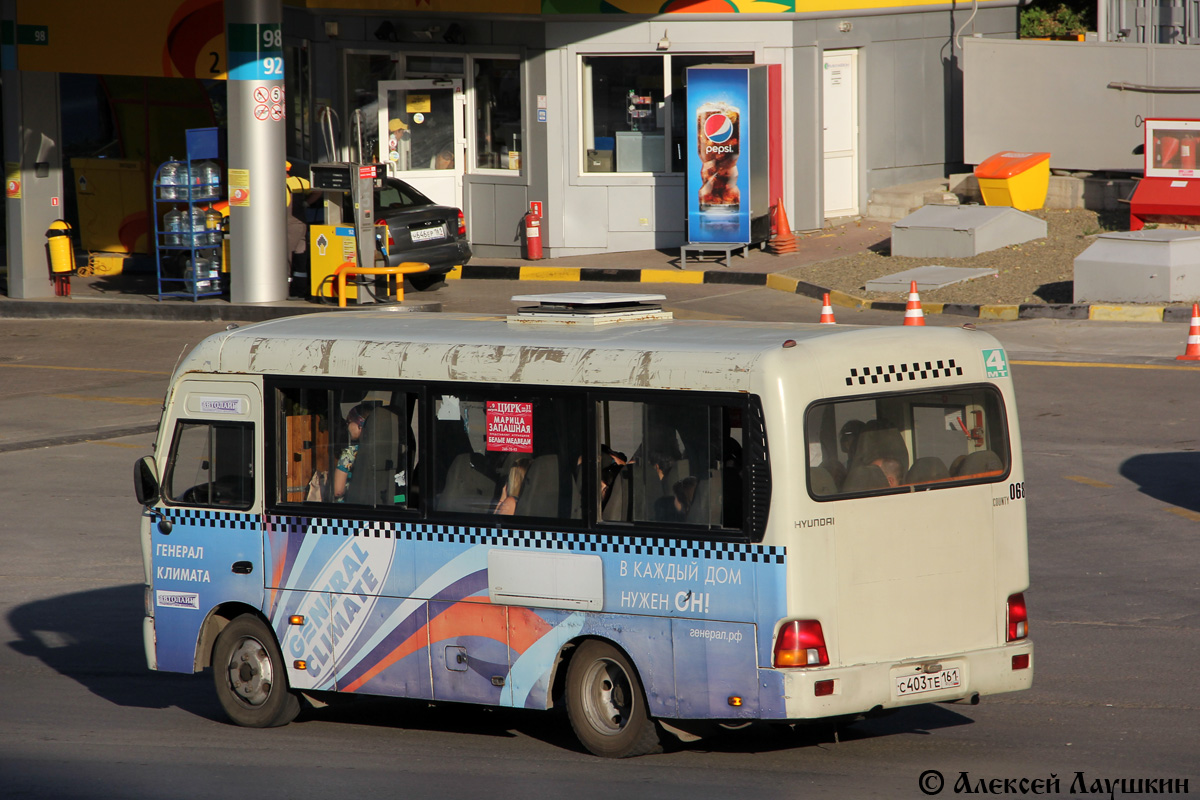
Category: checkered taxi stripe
[469,535]
[917,370]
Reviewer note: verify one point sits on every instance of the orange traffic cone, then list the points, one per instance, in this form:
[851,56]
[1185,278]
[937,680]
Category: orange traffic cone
[785,240]
[1192,351]
[913,313]
[827,311]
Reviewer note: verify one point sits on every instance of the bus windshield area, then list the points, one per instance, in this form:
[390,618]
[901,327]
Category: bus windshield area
[525,453]
[906,442]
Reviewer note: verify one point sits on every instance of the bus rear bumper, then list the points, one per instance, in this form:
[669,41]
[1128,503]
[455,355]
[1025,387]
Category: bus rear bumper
[869,687]
[148,642]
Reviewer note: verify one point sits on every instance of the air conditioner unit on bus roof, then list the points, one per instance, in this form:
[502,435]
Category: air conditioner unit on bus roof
[589,308]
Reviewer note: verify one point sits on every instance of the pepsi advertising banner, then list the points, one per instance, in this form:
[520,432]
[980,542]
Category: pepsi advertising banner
[719,167]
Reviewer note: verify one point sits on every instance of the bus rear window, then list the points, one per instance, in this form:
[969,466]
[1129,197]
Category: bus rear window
[906,442]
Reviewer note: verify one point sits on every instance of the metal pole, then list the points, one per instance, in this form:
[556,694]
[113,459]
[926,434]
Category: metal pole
[257,151]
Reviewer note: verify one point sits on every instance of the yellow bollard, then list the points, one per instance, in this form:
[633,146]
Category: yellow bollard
[351,268]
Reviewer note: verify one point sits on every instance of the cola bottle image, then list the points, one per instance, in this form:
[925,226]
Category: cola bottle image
[718,131]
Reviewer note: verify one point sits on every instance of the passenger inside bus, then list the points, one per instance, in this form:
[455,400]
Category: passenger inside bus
[890,468]
[686,466]
[478,440]
[381,469]
[905,440]
[512,487]
[356,420]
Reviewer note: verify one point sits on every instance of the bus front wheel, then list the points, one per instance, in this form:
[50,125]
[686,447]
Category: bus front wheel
[250,676]
[606,705]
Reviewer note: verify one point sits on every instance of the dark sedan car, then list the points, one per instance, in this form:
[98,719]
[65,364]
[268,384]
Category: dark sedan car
[417,229]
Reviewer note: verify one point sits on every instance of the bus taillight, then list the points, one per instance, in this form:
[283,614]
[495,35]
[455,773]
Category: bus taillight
[1018,618]
[801,643]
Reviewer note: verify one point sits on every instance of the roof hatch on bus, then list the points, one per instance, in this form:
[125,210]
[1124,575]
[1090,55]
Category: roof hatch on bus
[589,308]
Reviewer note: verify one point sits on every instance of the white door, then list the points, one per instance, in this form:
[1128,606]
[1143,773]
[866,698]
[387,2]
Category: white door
[421,137]
[840,114]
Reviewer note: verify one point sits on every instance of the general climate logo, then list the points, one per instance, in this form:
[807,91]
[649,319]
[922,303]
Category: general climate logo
[718,128]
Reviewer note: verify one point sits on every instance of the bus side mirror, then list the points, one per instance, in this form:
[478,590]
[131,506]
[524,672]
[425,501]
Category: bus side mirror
[145,481]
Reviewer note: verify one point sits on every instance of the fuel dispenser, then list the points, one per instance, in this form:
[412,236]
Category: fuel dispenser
[340,240]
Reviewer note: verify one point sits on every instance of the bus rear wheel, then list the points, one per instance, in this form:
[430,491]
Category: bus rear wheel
[250,676]
[606,704]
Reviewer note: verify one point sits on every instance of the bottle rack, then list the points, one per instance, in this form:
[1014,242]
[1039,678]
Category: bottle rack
[188,231]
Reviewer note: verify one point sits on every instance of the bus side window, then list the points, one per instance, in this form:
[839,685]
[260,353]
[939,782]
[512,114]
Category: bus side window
[211,465]
[346,443]
[372,456]
[481,437]
[305,445]
[466,482]
[661,462]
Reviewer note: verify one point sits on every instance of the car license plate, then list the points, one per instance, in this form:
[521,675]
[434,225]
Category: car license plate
[428,234]
[946,678]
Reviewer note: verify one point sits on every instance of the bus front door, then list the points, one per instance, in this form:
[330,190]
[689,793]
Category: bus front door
[206,548]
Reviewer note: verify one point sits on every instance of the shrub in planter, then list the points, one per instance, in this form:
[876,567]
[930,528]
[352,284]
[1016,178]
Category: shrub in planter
[1039,22]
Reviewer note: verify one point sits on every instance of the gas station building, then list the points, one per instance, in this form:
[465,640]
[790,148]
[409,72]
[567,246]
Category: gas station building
[578,104]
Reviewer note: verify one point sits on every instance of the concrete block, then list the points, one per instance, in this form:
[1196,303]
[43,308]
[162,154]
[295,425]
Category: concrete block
[928,278]
[1156,266]
[888,212]
[1064,193]
[966,186]
[940,199]
[962,231]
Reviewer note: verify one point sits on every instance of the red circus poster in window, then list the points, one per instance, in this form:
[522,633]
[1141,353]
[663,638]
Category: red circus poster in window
[510,427]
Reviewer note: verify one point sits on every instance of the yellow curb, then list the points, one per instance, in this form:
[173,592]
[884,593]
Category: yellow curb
[932,308]
[1007,313]
[454,274]
[671,276]
[782,283]
[847,300]
[549,273]
[1126,313]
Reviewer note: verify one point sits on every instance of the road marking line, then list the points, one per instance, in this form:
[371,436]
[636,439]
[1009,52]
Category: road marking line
[85,369]
[1088,481]
[1185,513]
[1101,364]
[118,444]
[126,401]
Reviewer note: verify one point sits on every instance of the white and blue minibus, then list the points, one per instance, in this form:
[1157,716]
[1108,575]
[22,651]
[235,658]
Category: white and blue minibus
[656,524]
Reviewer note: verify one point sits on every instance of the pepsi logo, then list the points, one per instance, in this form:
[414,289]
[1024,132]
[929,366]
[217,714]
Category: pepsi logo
[718,128]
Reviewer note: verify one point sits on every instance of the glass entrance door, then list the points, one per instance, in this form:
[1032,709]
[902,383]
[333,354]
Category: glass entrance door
[421,137]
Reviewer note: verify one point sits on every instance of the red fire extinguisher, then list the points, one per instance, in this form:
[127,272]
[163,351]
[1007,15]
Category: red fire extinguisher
[533,231]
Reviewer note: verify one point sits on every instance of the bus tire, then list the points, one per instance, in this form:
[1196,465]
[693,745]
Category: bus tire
[606,704]
[250,675]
